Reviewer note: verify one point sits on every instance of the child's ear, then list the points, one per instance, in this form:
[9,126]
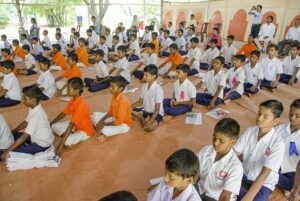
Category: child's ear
[190,180]
[276,121]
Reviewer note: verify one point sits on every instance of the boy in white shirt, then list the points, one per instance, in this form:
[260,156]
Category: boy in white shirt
[171,29]
[6,137]
[261,149]
[184,96]
[149,58]
[290,133]
[190,36]
[266,34]
[60,40]
[118,32]
[165,45]
[235,79]
[102,46]
[92,43]
[181,168]
[272,68]
[102,74]
[221,171]
[109,39]
[46,43]
[181,42]
[210,54]
[113,56]
[25,41]
[122,65]
[37,50]
[253,74]
[215,82]
[161,35]
[29,62]
[228,51]
[10,92]
[193,57]
[134,52]
[291,66]
[151,100]
[46,81]
[147,37]
[37,136]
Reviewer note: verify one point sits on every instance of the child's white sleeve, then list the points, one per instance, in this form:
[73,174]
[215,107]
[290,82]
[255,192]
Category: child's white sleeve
[279,69]
[234,179]
[193,91]
[242,141]
[260,75]
[223,81]
[7,84]
[159,96]
[241,76]
[274,159]
[197,55]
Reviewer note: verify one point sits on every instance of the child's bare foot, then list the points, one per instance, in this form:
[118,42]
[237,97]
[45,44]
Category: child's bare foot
[248,94]
[167,118]
[272,90]
[286,193]
[226,102]
[102,138]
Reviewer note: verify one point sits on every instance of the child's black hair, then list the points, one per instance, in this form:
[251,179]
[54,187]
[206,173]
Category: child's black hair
[26,47]
[24,35]
[58,29]
[15,41]
[73,57]
[34,39]
[221,59]
[216,29]
[45,61]
[174,46]
[215,41]
[230,37]
[270,16]
[171,23]
[33,92]
[4,36]
[99,52]
[82,40]
[274,46]
[192,28]
[296,104]
[119,196]
[76,83]
[173,38]
[240,57]
[107,30]
[77,34]
[103,37]
[5,50]
[89,30]
[133,35]
[167,32]
[92,27]
[194,40]
[151,69]
[296,46]
[122,48]
[184,68]
[274,105]
[228,127]
[120,81]
[116,37]
[8,64]
[155,34]
[46,31]
[183,163]
[255,52]
[56,46]
[58,35]
[150,45]
[180,30]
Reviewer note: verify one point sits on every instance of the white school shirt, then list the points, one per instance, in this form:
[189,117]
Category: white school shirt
[125,66]
[293,34]
[216,176]
[47,42]
[121,39]
[6,137]
[29,61]
[253,74]
[147,36]
[267,152]
[75,43]
[212,82]
[165,43]
[211,54]
[160,38]
[188,39]
[194,53]
[185,91]
[289,65]
[135,46]
[101,70]
[152,59]
[105,50]
[267,30]
[91,42]
[109,41]
[11,84]
[125,36]
[271,68]
[289,163]
[165,193]
[26,42]
[116,48]
[152,96]
[38,127]
[37,49]
[181,42]
[47,81]
[172,31]
[95,36]
[228,52]
[62,44]
[234,76]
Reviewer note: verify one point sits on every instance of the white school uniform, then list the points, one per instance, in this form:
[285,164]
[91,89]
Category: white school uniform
[160,38]
[185,91]
[109,41]
[47,81]
[91,42]
[216,176]
[289,65]
[6,137]
[26,42]
[105,50]
[147,37]
[152,96]
[267,152]
[165,193]
[290,161]
[188,40]
[121,39]
[172,31]
[116,48]
[194,53]
[75,43]
[95,36]
[11,84]
[38,127]
[271,68]
[47,42]
[252,75]
[37,49]
[124,37]
[212,82]
[165,43]
[125,66]
[293,34]
[136,47]
[101,70]
[62,44]
[211,54]
[228,52]
[152,59]
[29,61]
[181,42]
[234,76]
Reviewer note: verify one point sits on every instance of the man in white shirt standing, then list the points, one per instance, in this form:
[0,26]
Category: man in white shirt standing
[292,38]
[193,21]
[266,34]
[256,12]
[171,29]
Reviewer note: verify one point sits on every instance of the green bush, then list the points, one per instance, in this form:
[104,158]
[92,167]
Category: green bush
[4,20]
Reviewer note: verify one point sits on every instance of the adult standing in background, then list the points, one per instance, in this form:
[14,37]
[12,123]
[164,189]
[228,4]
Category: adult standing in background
[256,12]
[193,21]
[135,21]
[96,24]
[34,29]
